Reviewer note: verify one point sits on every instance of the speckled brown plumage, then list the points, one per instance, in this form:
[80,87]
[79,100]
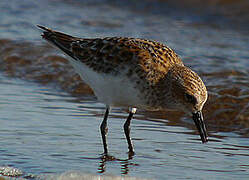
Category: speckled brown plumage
[151,63]
[117,52]
[151,60]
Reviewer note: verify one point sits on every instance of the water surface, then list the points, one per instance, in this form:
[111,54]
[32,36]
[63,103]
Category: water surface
[49,123]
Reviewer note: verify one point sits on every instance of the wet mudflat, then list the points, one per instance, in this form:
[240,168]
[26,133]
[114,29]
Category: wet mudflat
[50,120]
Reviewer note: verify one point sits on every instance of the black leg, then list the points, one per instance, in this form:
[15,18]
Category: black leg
[127,130]
[104,130]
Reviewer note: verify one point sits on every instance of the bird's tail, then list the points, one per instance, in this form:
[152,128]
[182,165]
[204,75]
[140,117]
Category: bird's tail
[58,39]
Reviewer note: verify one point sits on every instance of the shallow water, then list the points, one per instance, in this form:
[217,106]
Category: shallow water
[50,120]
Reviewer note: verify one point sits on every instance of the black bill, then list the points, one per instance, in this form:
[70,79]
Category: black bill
[198,119]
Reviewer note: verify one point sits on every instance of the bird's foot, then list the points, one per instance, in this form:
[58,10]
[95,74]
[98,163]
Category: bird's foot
[107,157]
[131,154]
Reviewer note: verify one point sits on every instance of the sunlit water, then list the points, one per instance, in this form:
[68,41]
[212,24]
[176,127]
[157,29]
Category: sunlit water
[46,131]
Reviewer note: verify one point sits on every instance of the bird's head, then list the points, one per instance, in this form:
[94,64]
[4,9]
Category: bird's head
[189,94]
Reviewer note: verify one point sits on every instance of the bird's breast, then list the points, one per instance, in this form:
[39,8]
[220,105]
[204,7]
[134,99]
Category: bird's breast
[113,90]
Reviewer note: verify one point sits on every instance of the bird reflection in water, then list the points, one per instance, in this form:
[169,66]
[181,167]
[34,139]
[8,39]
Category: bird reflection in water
[124,163]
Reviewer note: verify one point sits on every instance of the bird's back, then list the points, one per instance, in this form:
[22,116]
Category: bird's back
[111,54]
[129,65]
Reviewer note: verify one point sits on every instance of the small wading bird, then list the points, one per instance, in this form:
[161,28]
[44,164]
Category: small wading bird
[134,73]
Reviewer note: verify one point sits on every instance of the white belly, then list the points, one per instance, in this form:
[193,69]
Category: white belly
[110,89]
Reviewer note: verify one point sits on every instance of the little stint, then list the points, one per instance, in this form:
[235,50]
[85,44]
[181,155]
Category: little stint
[133,73]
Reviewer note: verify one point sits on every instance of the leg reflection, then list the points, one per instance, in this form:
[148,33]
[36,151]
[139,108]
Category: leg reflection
[102,164]
[124,163]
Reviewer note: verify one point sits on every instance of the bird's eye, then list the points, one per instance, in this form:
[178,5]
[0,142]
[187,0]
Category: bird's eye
[190,98]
